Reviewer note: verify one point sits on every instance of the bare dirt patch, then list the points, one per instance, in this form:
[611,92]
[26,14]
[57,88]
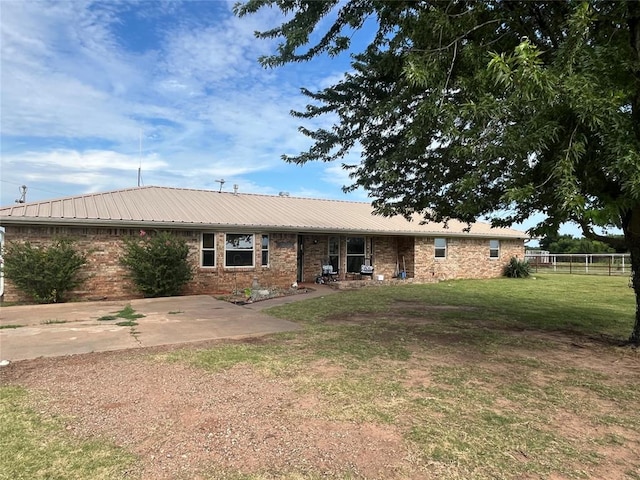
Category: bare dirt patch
[180,419]
[183,422]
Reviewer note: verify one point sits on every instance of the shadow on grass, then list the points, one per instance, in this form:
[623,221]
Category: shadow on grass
[556,308]
[466,327]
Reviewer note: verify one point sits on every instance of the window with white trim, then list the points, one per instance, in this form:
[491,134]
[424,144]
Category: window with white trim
[238,250]
[334,252]
[494,248]
[355,254]
[208,250]
[440,247]
[265,250]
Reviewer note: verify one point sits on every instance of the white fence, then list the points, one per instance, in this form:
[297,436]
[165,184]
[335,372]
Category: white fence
[580,263]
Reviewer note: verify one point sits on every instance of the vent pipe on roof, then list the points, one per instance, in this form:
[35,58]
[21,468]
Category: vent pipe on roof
[235,188]
[284,194]
[221,182]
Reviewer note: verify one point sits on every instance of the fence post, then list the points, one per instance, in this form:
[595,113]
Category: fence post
[551,264]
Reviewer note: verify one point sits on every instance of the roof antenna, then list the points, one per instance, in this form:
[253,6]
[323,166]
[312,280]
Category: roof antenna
[221,182]
[23,194]
[140,164]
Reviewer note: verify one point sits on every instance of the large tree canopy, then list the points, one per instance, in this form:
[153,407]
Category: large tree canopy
[465,109]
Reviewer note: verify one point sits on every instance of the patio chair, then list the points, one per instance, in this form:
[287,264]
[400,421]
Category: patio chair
[366,268]
[328,273]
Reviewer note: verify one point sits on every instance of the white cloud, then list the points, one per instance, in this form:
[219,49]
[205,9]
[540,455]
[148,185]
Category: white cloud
[80,84]
[62,74]
[74,167]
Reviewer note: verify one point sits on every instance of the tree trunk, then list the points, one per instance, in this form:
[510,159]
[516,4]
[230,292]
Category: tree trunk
[631,220]
[631,230]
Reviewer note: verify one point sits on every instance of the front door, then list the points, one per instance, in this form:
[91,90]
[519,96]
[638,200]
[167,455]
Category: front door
[300,270]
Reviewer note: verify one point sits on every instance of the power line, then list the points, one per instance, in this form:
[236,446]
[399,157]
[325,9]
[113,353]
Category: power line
[33,188]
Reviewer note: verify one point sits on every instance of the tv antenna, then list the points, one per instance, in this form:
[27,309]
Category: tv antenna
[221,182]
[23,194]
[140,160]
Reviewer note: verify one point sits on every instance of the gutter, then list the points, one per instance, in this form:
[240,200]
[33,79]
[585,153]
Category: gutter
[299,229]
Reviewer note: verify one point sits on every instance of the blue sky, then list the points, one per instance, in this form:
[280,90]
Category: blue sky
[83,83]
[91,91]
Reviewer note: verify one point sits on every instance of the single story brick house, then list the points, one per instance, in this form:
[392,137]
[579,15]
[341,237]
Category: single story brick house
[239,240]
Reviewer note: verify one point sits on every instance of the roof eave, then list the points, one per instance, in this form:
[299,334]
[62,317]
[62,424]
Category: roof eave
[111,223]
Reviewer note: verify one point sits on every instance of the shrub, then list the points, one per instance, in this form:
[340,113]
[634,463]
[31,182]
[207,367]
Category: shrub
[158,263]
[46,274]
[517,268]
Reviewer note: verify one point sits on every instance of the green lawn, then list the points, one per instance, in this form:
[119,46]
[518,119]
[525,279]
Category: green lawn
[484,379]
[586,305]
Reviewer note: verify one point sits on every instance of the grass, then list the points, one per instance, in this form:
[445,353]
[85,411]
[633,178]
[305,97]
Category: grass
[10,326]
[466,370]
[127,313]
[34,447]
[585,305]
[127,323]
[483,379]
[128,316]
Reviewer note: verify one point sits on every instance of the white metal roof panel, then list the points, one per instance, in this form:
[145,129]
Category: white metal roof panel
[165,206]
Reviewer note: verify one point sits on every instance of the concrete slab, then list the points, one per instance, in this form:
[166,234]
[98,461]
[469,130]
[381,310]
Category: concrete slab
[74,328]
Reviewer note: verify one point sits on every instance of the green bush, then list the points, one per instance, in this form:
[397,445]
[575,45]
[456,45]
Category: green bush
[158,263]
[517,268]
[46,274]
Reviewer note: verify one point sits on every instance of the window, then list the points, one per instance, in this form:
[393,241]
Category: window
[208,249]
[238,250]
[440,245]
[355,254]
[334,252]
[494,248]
[265,250]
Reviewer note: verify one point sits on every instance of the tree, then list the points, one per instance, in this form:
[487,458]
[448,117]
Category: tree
[569,244]
[497,109]
[158,263]
[47,274]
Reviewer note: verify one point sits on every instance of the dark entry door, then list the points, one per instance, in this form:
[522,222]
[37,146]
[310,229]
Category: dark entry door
[300,273]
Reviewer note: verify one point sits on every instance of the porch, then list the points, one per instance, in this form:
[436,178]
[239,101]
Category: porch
[355,260]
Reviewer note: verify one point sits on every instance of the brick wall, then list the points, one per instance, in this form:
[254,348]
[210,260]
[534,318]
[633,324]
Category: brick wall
[314,252]
[104,276]
[465,258]
[279,273]
[107,279]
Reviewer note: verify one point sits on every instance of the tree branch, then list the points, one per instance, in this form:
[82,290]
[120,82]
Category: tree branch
[587,231]
[446,83]
[456,40]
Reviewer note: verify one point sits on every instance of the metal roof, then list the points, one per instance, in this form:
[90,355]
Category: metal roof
[201,209]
